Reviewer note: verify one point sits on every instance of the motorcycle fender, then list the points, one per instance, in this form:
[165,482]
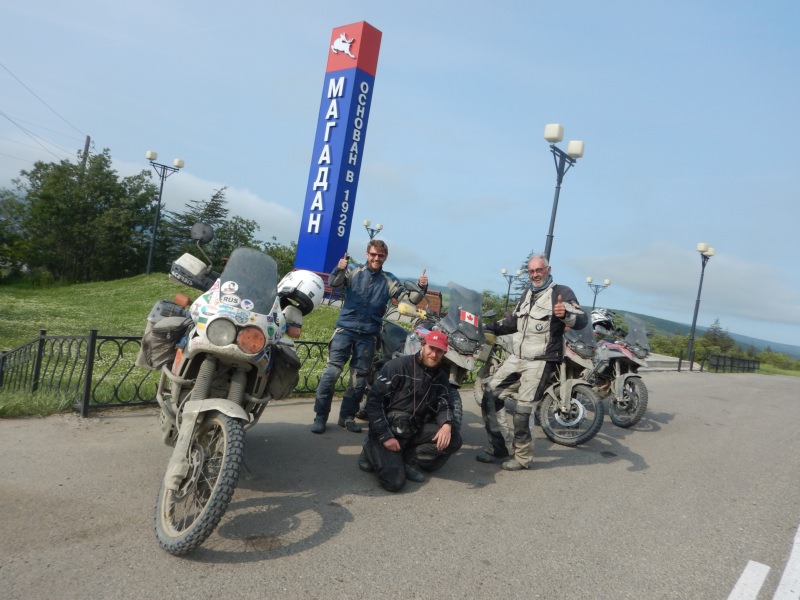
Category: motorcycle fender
[178,466]
[619,384]
[465,362]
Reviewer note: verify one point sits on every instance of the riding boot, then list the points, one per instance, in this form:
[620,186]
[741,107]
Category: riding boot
[523,440]
[489,407]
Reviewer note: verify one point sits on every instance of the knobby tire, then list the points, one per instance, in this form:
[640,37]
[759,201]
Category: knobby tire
[184,519]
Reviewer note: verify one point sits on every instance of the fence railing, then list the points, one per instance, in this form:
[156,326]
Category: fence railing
[98,371]
[719,363]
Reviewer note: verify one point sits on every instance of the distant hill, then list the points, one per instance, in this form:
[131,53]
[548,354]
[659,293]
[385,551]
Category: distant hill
[671,327]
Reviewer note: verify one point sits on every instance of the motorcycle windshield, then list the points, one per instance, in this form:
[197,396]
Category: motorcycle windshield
[464,313]
[250,280]
[637,332]
[581,340]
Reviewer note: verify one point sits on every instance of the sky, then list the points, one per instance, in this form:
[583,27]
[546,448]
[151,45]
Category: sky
[688,112]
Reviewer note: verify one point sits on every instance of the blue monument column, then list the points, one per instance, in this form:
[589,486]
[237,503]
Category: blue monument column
[338,147]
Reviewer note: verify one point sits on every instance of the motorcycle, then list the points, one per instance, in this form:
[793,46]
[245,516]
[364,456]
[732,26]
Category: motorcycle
[221,361]
[614,374]
[463,325]
[570,412]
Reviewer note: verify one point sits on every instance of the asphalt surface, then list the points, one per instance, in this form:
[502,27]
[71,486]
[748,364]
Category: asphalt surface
[676,507]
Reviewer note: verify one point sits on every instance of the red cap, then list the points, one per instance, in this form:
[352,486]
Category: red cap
[437,339]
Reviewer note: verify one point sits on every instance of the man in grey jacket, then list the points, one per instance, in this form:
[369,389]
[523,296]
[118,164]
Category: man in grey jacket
[537,324]
[367,291]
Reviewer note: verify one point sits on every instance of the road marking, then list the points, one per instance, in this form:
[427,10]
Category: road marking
[750,582]
[789,587]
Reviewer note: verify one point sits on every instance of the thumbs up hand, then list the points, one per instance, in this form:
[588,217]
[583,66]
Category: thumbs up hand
[559,309]
[423,280]
[342,263]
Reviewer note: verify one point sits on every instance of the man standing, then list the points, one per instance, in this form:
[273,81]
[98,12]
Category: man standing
[410,417]
[537,323]
[367,290]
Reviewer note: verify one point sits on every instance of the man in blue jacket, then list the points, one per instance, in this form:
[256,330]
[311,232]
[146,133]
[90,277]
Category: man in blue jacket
[367,291]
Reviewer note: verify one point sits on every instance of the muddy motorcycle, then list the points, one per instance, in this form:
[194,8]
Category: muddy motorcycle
[221,362]
[570,412]
[615,373]
[463,325]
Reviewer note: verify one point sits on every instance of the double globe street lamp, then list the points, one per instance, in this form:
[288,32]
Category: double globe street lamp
[706,252]
[163,171]
[509,277]
[372,231]
[597,288]
[554,133]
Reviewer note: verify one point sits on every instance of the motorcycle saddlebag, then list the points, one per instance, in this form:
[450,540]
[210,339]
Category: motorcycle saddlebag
[160,341]
[285,373]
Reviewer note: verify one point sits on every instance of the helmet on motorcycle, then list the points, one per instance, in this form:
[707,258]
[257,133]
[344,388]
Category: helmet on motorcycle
[604,318]
[303,289]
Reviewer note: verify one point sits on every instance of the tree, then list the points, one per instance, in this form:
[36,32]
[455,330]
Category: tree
[12,236]
[718,337]
[283,255]
[81,222]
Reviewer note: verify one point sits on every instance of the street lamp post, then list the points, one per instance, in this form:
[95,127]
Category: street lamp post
[509,278]
[554,133]
[597,288]
[372,231]
[706,252]
[163,171]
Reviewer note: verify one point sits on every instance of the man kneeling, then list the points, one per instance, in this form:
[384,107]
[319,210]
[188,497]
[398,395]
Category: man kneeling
[410,417]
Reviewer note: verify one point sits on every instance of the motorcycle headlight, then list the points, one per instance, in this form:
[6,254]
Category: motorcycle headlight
[251,340]
[221,332]
[462,343]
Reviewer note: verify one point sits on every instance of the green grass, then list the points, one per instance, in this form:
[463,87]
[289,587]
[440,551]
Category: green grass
[113,308]
[25,404]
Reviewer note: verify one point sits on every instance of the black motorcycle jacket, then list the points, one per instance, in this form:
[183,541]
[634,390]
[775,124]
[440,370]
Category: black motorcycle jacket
[404,385]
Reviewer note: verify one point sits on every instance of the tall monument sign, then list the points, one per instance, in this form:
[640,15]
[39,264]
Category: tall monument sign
[338,146]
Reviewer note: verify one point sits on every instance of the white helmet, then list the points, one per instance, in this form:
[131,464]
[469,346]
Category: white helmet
[603,317]
[303,289]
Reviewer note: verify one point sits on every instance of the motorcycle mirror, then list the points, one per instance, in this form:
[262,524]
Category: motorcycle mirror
[412,286]
[489,315]
[202,233]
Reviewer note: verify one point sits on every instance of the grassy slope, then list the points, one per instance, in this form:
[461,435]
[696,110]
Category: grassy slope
[113,308]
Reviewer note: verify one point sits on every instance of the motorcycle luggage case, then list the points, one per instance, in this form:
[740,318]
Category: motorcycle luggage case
[160,341]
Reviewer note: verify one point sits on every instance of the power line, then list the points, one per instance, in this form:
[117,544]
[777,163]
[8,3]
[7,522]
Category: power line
[30,135]
[40,100]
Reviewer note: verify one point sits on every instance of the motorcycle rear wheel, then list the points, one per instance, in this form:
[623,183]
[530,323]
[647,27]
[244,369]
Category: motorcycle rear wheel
[628,410]
[185,518]
[580,424]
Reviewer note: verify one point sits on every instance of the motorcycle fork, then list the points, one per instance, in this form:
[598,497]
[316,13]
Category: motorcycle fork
[199,403]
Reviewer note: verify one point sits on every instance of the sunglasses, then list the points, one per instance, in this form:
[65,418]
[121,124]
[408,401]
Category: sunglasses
[377,255]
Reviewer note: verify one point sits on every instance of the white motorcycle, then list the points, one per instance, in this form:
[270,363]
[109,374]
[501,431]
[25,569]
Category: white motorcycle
[221,362]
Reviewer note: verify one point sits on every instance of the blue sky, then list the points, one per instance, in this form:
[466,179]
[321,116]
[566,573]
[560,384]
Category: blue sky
[688,111]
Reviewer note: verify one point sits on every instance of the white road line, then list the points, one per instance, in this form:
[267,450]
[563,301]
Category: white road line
[789,587]
[750,582]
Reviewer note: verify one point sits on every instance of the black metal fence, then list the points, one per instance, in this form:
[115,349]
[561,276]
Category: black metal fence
[719,363]
[98,371]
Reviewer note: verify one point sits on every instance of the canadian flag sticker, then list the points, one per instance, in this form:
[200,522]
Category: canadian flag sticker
[469,318]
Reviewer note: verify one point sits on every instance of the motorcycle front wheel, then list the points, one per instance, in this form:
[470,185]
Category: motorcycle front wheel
[630,408]
[577,425]
[186,517]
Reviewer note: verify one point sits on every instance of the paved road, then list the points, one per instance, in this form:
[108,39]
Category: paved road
[677,507]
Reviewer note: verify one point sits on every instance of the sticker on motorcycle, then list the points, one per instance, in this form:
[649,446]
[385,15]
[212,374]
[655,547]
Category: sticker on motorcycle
[230,299]
[247,304]
[469,318]
[229,287]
